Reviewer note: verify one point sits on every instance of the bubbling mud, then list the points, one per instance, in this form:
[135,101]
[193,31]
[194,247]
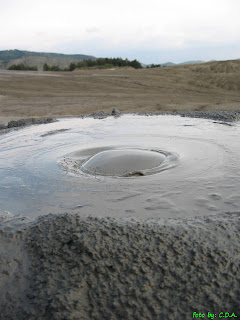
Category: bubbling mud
[120,161]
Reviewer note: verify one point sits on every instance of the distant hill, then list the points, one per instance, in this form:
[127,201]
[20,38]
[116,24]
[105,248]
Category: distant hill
[29,58]
[170,64]
[18,54]
[191,62]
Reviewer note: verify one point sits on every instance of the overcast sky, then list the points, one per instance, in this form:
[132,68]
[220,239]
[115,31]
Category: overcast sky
[152,31]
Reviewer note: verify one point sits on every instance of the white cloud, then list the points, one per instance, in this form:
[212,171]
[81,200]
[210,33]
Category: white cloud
[126,25]
[93,30]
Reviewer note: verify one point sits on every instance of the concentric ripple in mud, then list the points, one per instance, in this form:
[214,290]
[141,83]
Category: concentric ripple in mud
[131,166]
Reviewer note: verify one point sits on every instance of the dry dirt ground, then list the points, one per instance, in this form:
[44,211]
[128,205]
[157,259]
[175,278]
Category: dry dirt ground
[208,86]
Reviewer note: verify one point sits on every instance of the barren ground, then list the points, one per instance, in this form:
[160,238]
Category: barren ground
[208,86]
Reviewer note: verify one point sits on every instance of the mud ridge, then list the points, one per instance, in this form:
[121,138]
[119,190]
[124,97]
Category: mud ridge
[218,115]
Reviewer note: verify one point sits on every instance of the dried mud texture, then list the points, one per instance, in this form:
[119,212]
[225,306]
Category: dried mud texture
[73,267]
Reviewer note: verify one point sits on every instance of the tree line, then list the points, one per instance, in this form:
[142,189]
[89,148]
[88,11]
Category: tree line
[22,67]
[100,63]
[54,67]
[154,65]
[106,62]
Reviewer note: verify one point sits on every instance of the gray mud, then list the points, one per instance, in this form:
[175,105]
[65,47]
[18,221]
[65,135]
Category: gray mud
[73,267]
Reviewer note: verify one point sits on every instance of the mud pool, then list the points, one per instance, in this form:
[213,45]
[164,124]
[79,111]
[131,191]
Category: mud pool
[131,166]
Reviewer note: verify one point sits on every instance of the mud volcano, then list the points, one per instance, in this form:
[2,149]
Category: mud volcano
[132,166]
[126,162]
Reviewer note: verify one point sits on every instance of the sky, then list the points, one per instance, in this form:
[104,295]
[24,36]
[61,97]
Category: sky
[152,31]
